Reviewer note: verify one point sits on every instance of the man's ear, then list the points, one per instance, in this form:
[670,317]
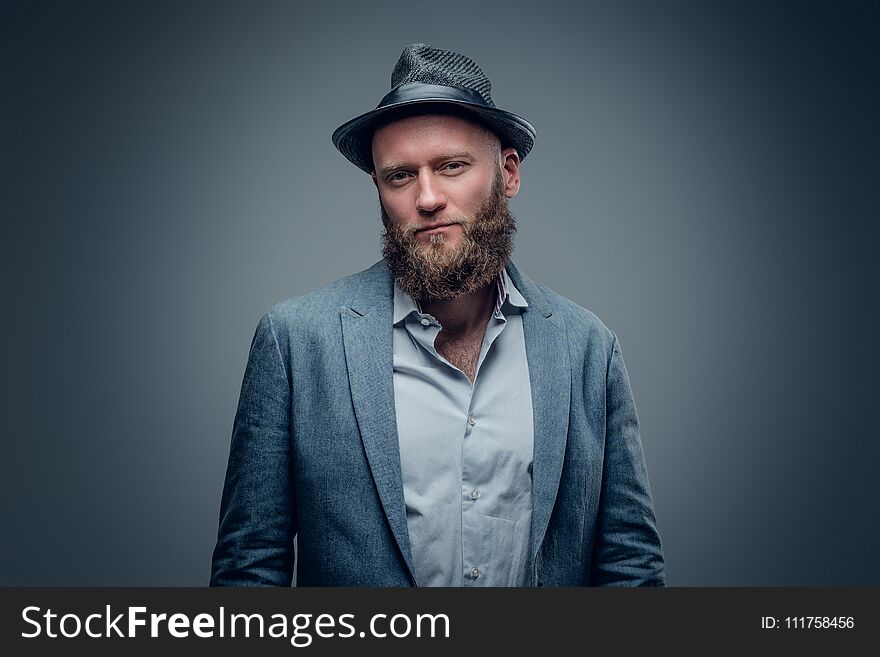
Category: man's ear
[375,181]
[510,167]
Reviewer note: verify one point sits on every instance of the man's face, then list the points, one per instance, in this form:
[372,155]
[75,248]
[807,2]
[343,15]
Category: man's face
[444,185]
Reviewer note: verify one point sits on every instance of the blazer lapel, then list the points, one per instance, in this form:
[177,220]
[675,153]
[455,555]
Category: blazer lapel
[367,336]
[550,375]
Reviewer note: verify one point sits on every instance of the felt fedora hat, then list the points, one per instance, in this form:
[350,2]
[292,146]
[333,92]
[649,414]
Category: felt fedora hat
[425,77]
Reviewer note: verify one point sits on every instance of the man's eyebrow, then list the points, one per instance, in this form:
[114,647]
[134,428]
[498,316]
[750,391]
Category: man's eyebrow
[395,166]
[391,166]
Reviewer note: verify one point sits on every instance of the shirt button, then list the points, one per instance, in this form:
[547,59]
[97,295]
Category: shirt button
[475,494]
[426,321]
[472,420]
[475,572]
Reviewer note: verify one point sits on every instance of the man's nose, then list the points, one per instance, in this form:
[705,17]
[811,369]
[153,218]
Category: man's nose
[431,197]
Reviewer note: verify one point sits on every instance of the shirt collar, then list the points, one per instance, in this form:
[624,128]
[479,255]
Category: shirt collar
[508,297]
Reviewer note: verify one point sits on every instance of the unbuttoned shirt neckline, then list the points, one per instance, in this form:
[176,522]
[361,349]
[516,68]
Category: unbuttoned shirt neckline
[466,448]
[409,311]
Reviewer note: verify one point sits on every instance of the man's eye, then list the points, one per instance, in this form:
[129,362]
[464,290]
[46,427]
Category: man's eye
[453,166]
[400,176]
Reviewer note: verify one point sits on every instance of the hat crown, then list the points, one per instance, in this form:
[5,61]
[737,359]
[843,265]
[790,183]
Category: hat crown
[420,62]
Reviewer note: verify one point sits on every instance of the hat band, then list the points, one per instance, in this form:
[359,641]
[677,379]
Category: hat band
[422,91]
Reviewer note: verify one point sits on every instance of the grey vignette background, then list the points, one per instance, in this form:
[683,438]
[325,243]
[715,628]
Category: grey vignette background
[704,179]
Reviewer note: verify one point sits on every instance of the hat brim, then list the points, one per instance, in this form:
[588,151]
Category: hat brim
[354,139]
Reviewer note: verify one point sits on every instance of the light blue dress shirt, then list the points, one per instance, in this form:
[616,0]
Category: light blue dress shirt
[465,450]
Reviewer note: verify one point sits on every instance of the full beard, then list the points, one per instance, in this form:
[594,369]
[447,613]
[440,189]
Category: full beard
[436,272]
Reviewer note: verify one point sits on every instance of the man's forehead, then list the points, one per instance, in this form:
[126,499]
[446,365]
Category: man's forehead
[421,131]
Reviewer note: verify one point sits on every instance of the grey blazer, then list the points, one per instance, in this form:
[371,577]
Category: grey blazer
[314,451]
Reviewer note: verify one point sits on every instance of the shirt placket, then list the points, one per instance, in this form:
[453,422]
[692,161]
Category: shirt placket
[474,462]
[475,475]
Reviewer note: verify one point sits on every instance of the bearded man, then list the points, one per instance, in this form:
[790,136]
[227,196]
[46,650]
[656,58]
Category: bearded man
[437,419]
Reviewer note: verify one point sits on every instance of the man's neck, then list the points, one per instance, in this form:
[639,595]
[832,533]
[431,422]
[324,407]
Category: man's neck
[464,316]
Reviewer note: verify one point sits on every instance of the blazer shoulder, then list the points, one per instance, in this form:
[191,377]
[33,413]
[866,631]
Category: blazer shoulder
[323,303]
[580,322]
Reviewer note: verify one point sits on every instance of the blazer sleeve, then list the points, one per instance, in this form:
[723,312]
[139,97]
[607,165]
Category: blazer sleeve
[627,551]
[258,509]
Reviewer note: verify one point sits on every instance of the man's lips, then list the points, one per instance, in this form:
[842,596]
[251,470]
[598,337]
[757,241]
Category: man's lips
[435,227]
